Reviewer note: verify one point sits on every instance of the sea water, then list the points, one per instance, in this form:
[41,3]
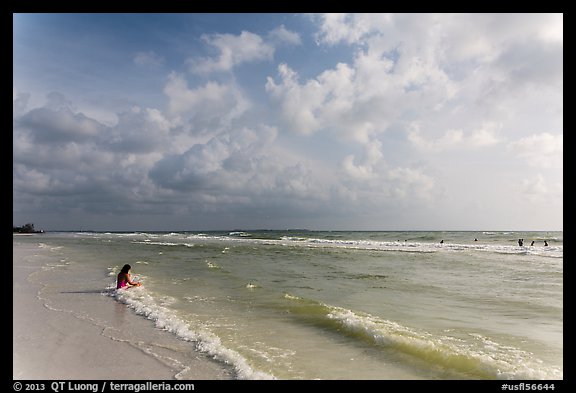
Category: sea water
[333,305]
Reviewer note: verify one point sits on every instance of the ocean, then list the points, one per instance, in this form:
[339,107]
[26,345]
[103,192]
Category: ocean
[300,304]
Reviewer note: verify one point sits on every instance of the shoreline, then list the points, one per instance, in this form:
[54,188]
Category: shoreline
[107,342]
[263,310]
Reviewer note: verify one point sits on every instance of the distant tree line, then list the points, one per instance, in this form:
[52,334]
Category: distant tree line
[27,228]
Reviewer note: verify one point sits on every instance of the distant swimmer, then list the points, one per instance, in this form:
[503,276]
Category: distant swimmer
[545,243]
[520,242]
[442,241]
[475,239]
[532,243]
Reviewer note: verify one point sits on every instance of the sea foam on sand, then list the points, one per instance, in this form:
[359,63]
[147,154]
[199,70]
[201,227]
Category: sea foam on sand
[63,328]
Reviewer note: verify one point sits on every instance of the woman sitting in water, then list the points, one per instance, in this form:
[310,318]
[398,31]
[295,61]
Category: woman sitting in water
[124,278]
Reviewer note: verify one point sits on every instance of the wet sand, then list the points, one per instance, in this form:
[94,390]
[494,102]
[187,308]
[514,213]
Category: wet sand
[105,340]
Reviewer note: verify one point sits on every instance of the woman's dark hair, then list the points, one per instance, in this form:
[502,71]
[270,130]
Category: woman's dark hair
[125,268]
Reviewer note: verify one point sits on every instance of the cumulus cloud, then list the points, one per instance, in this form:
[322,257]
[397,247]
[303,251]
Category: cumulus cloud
[411,183]
[370,178]
[349,28]
[543,150]
[55,126]
[336,100]
[210,104]
[537,189]
[375,90]
[486,135]
[233,51]
[242,162]
[297,104]
[397,115]
[61,153]
[139,165]
[378,188]
[368,167]
[20,103]
[281,35]
[138,131]
[506,51]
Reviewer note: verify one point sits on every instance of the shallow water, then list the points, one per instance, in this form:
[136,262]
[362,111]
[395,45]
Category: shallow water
[337,305]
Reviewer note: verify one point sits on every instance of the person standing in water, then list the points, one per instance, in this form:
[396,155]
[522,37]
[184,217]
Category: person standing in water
[123,279]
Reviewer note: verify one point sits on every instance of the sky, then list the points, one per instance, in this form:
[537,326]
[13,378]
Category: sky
[175,122]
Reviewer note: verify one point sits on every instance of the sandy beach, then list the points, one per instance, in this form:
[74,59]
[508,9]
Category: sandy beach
[63,332]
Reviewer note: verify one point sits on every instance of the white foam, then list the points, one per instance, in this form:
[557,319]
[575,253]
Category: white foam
[478,356]
[370,245]
[212,265]
[149,242]
[144,304]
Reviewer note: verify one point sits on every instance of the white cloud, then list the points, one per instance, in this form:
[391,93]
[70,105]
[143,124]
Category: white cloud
[496,60]
[361,172]
[450,139]
[485,135]
[71,159]
[20,103]
[141,166]
[148,59]
[281,35]
[350,28]
[233,50]
[462,36]
[537,190]
[379,187]
[404,110]
[297,105]
[378,88]
[55,126]
[411,183]
[183,99]
[335,100]
[246,165]
[540,150]
[373,182]
[551,29]
[213,102]
[369,167]
[309,107]
[138,131]
[535,186]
